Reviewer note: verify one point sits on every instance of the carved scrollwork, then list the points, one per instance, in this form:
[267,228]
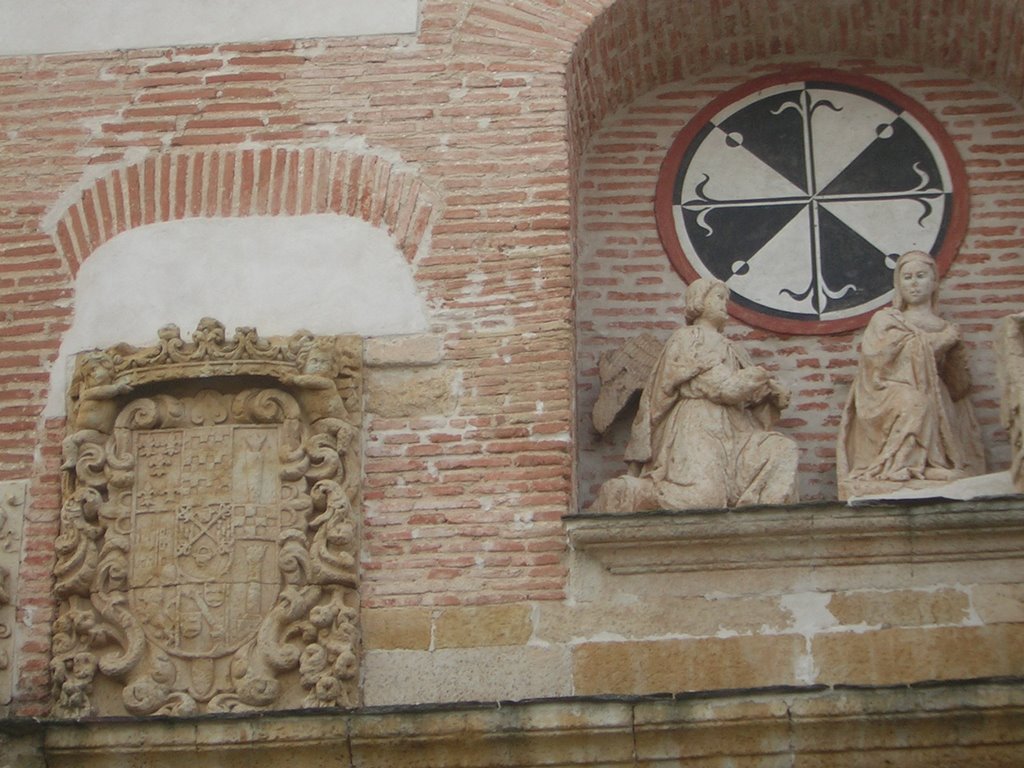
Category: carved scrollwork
[77,546]
[334,536]
[328,664]
[209,344]
[207,553]
[12,503]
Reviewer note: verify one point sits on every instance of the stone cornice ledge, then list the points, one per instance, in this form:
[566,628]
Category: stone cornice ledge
[802,535]
[948,723]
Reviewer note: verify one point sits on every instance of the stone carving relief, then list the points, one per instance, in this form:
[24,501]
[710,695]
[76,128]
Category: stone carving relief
[701,434]
[206,560]
[13,496]
[908,421]
[1010,355]
[623,372]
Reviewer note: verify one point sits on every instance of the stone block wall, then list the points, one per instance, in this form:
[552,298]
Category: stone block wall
[870,635]
[820,595]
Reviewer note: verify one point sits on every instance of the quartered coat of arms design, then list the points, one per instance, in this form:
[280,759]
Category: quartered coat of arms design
[800,190]
[207,554]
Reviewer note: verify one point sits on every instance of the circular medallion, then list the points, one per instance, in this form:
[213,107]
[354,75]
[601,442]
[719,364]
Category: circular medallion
[800,191]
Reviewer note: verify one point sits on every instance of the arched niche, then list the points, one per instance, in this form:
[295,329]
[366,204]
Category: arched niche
[643,67]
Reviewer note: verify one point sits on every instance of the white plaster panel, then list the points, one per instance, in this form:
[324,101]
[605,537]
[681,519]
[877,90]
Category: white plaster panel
[323,273]
[13,494]
[55,26]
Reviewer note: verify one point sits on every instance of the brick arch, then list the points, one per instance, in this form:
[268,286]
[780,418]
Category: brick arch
[633,46]
[282,181]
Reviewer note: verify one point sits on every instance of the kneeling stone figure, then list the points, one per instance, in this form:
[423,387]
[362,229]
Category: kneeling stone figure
[701,434]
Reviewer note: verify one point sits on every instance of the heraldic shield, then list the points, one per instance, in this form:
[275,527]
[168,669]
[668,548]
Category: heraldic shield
[206,520]
[207,554]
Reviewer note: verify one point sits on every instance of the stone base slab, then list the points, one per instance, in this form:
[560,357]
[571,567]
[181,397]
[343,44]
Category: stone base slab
[815,534]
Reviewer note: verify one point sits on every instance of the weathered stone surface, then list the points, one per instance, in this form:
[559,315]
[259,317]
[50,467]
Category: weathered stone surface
[482,626]
[593,583]
[1010,366]
[209,531]
[942,724]
[21,751]
[396,628]
[870,755]
[507,673]
[623,372]
[544,733]
[920,728]
[998,603]
[988,486]
[732,730]
[13,502]
[908,421]
[403,393]
[415,349]
[711,545]
[276,741]
[657,617]
[668,666]
[681,456]
[901,608]
[894,656]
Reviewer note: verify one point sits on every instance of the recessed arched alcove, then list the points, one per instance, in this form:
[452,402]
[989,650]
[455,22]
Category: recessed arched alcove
[645,67]
[280,238]
[322,273]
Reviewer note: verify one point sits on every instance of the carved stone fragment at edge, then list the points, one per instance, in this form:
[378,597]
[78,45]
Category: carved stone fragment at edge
[1010,356]
[623,372]
[206,560]
[13,495]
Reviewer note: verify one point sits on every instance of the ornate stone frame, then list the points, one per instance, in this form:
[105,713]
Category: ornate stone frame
[13,497]
[155,519]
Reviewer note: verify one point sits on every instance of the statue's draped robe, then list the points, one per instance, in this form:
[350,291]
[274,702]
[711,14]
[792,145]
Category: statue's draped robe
[908,410]
[700,431]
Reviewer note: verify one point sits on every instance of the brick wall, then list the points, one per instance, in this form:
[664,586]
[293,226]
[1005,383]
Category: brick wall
[452,140]
[463,507]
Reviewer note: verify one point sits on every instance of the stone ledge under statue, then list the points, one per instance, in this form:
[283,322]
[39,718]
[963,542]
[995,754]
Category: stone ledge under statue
[791,547]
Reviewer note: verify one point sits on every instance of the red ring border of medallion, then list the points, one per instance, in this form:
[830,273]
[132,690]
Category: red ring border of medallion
[670,169]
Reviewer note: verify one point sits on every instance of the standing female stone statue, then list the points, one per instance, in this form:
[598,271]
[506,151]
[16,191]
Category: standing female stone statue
[700,437]
[908,422]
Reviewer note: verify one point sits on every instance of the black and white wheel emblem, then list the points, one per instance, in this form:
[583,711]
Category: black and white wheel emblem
[800,191]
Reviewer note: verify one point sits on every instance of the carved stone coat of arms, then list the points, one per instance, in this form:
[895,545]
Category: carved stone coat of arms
[209,531]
